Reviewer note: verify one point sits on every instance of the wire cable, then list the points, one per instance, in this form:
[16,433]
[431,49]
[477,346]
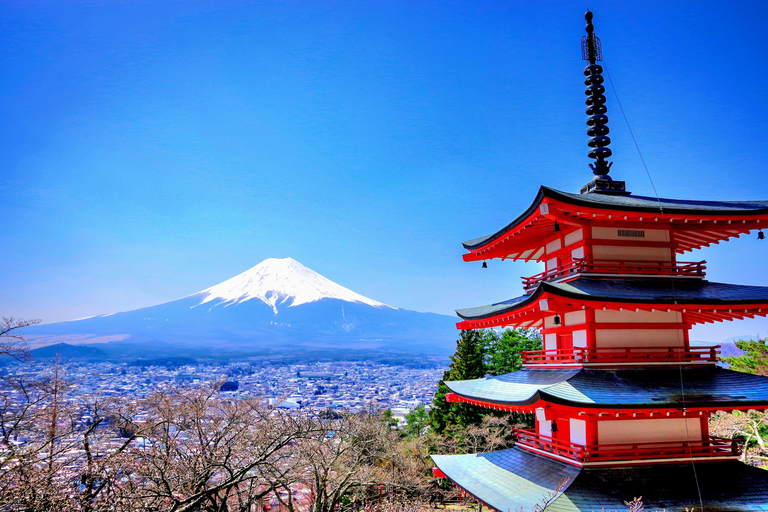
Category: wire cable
[637,146]
[672,282]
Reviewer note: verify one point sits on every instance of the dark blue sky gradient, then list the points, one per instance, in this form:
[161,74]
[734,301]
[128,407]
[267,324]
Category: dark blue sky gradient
[153,149]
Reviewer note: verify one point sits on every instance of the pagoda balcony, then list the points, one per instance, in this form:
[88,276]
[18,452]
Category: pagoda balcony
[627,453]
[621,356]
[613,268]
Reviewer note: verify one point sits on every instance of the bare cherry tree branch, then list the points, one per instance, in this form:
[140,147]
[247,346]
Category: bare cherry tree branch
[12,342]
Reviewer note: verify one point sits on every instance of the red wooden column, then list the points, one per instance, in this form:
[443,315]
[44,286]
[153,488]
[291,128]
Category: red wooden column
[591,334]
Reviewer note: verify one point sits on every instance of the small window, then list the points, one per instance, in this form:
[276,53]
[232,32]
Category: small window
[633,233]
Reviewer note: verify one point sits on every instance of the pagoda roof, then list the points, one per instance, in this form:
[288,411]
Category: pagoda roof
[507,479]
[715,300]
[719,219]
[647,388]
[516,479]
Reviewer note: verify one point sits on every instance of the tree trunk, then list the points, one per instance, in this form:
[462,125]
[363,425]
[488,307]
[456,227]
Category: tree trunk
[746,447]
[760,442]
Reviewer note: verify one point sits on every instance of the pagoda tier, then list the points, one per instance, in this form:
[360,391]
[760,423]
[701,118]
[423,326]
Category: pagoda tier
[517,479]
[614,224]
[598,417]
[607,322]
[617,392]
[694,302]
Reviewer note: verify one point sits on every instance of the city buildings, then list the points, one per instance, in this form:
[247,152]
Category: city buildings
[349,385]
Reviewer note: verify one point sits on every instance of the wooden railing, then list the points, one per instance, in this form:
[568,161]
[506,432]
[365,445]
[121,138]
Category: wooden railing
[528,437]
[617,267]
[707,447]
[638,355]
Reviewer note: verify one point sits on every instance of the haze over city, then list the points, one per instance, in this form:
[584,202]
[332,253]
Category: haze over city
[155,149]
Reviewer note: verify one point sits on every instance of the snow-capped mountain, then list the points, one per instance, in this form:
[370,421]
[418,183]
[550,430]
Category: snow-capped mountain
[279,308]
[281,282]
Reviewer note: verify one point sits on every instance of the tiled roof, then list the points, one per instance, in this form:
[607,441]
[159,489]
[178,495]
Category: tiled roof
[626,388]
[647,203]
[635,291]
[514,479]
[631,203]
[724,486]
[508,479]
[699,292]
[498,307]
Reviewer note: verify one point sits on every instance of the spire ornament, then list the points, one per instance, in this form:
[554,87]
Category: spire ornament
[592,51]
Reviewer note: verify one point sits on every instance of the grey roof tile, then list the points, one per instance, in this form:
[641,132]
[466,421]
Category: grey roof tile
[626,388]
[631,203]
[634,291]
[507,480]
[514,479]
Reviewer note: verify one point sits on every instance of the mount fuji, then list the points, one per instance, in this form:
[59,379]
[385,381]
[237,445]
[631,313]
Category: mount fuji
[277,309]
[277,281]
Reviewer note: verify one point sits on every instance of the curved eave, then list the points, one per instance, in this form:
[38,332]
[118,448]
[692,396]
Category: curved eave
[524,309]
[480,242]
[509,480]
[698,223]
[646,204]
[515,479]
[548,298]
[544,399]
[528,229]
[658,388]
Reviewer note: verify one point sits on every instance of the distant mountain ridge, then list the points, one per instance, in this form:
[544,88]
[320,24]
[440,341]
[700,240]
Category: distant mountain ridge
[728,347]
[278,308]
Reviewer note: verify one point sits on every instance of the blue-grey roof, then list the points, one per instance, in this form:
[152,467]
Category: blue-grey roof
[514,480]
[647,203]
[658,387]
[508,479]
[497,307]
[632,203]
[636,291]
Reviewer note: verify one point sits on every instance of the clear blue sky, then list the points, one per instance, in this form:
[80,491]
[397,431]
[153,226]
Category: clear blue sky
[152,149]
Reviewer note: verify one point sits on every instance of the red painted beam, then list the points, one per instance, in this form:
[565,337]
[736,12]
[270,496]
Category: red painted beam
[558,411]
[437,473]
[561,304]
[517,239]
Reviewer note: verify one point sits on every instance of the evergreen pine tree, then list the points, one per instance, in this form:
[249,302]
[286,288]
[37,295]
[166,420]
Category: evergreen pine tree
[467,363]
[754,360]
[502,356]
[480,353]
[502,350]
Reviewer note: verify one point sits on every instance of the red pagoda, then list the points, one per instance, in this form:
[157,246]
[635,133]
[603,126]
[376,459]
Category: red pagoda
[620,397]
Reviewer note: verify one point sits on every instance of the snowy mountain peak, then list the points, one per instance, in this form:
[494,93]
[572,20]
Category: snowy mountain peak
[283,281]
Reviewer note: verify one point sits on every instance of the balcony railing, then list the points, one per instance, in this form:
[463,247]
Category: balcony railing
[579,266]
[632,355]
[529,438]
[594,454]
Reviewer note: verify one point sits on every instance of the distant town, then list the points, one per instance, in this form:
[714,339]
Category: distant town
[349,385]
